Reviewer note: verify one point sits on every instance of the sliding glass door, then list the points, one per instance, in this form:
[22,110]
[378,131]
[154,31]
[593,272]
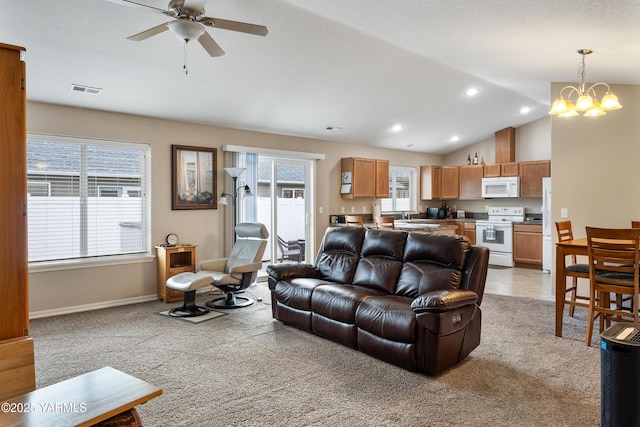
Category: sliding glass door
[283,202]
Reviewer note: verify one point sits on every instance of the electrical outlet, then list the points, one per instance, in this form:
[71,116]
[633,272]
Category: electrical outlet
[364,209]
[342,209]
[353,209]
[320,210]
[564,213]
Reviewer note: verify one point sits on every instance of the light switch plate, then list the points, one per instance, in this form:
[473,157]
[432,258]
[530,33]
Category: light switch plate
[564,213]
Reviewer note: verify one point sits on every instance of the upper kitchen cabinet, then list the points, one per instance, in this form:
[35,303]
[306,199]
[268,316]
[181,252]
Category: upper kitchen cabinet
[531,174]
[505,145]
[470,182]
[450,188]
[364,178]
[501,169]
[382,178]
[430,182]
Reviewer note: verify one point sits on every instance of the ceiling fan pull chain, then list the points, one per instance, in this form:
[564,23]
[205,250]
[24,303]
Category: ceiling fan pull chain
[186,70]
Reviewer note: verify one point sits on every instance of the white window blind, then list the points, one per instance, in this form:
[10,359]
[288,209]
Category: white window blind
[86,198]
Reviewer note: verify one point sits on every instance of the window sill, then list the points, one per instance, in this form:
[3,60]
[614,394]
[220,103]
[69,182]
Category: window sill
[73,264]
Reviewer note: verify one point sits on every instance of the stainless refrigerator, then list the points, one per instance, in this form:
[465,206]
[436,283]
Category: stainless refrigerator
[547,246]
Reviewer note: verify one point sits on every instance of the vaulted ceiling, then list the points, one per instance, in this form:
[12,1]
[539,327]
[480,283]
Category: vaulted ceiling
[360,66]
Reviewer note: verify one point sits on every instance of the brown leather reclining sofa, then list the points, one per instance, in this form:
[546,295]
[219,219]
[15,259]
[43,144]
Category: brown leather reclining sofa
[411,299]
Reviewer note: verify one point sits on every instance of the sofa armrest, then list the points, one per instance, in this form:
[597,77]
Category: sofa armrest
[443,300]
[279,272]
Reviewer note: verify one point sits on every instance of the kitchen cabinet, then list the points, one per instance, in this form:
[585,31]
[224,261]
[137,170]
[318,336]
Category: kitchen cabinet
[531,174]
[501,169]
[468,229]
[527,245]
[505,145]
[450,188]
[368,177]
[382,178]
[174,260]
[17,370]
[430,182]
[470,182]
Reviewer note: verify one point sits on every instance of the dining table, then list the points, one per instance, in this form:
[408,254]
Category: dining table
[564,248]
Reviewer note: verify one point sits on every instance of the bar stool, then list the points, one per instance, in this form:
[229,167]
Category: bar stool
[354,220]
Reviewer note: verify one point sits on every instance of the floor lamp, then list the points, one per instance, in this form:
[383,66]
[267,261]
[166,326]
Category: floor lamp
[234,173]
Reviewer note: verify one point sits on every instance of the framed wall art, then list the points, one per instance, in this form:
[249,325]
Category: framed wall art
[193,178]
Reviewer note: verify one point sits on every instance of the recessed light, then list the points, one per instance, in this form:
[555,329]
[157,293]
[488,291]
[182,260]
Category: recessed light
[455,138]
[525,110]
[473,91]
[396,128]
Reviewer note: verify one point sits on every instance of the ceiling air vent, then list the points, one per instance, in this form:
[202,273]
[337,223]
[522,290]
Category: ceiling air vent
[85,89]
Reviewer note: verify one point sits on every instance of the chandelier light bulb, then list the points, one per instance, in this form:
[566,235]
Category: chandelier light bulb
[559,106]
[584,102]
[610,102]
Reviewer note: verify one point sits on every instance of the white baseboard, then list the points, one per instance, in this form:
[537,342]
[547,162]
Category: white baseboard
[89,307]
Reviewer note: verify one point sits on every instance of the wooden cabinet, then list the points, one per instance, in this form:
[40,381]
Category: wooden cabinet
[17,371]
[505,145]
[369,177]
[470,182]
[527,245]
[493,171]
[468,229]
[531,174]
[509,169]
[382,178]
[171,261]
[450,188]
[501,169]
[430,182]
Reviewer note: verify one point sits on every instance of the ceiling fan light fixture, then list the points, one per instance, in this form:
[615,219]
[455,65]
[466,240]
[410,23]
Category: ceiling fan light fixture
[185,29]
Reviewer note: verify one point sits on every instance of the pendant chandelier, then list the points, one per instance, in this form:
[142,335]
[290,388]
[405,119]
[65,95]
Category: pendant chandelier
[586,101]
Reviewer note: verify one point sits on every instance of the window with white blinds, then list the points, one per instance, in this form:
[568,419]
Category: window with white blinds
[87,198]
[402,190]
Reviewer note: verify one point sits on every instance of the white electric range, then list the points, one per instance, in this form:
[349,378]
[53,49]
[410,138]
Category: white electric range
[496,233]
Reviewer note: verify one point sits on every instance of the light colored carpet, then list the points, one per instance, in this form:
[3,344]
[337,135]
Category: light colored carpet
[246,369]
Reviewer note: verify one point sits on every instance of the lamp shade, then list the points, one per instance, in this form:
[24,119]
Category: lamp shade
[559,106]
[223,199]
[234,172]
[610,102]
[185,29]
[584,102]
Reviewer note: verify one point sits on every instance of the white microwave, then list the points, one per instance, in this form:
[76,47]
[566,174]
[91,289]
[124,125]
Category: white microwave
[499,188]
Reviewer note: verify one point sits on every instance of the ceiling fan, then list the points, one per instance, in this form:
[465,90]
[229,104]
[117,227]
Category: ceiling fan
[190,23]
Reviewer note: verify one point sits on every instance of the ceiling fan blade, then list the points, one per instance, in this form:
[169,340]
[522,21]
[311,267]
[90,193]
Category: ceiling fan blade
[210,45]
[138,5]
[242,27]
[194,4]
[149,33]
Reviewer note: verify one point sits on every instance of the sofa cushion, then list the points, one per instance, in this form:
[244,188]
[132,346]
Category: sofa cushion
[381,261]
[432,261]
[296,293]
[417,278]
[339,302]
[339,253]
[389,317]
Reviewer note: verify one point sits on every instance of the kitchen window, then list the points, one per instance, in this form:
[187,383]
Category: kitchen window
[402,190]
[87,198]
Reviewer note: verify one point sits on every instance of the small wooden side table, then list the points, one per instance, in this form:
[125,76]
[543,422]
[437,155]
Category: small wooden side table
[173,260]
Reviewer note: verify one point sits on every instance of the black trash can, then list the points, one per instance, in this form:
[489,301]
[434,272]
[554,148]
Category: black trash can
[620,375]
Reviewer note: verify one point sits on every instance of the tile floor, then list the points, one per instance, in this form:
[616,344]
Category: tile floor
[521,282]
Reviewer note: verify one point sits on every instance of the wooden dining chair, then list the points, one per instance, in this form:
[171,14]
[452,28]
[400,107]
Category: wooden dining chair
[573,270]
[354,220]
[635,224]
[614,254]
[384,222]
